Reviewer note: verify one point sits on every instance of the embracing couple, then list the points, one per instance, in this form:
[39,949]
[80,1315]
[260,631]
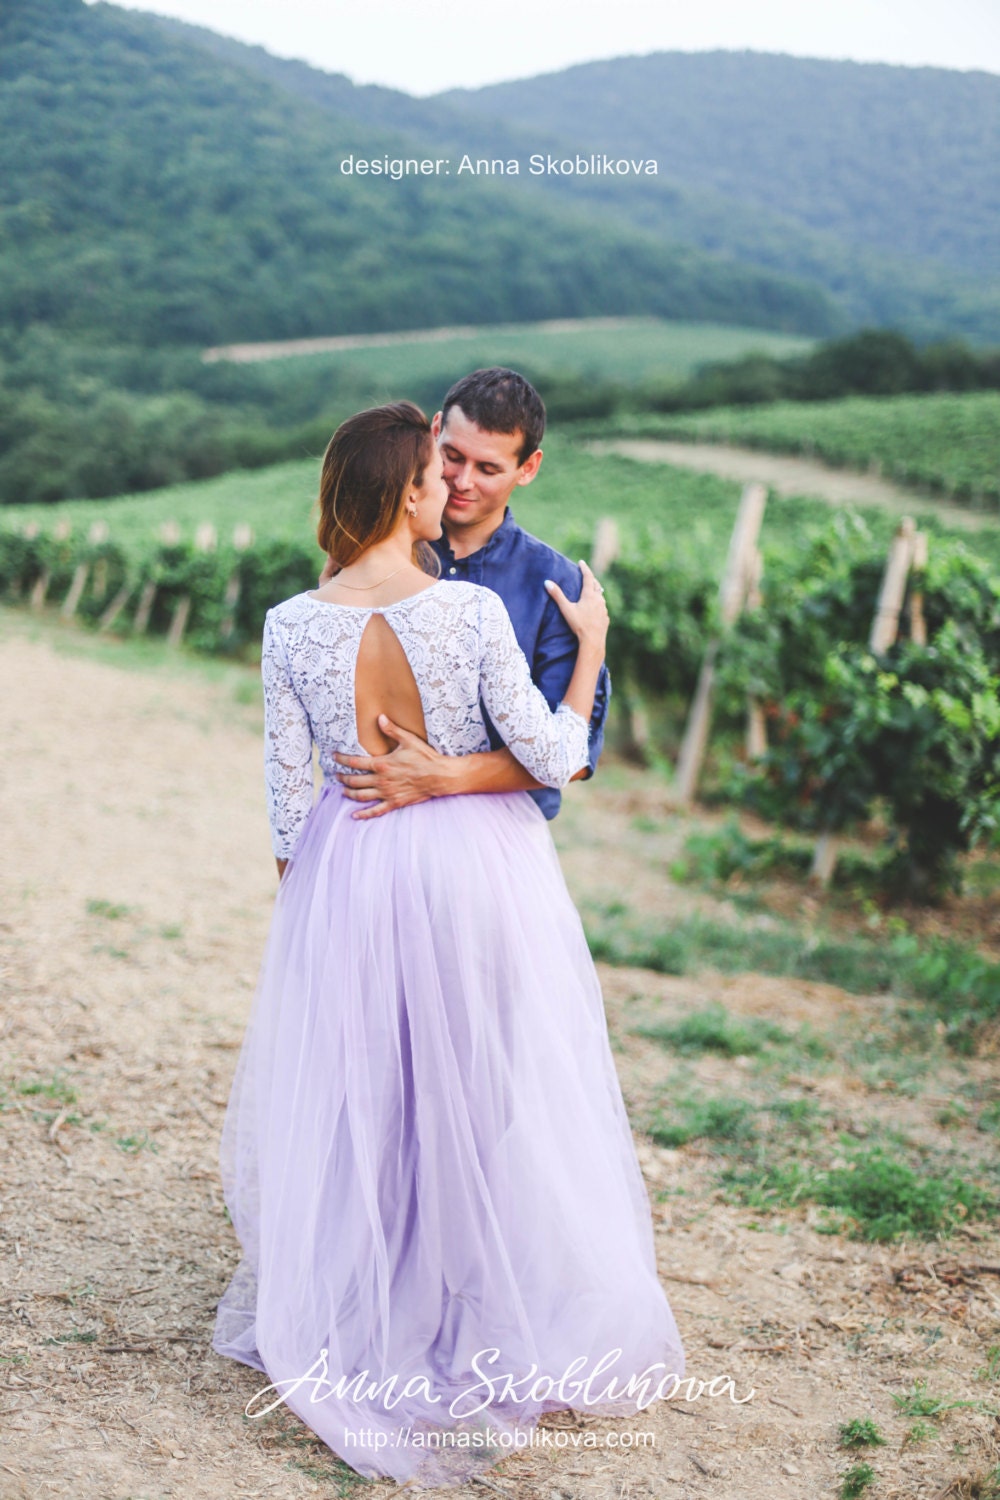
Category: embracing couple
[426,1154]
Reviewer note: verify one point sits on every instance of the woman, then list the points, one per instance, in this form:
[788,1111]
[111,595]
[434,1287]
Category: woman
[426,1155]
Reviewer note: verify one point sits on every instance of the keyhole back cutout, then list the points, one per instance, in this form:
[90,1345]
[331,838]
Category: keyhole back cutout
[384,684]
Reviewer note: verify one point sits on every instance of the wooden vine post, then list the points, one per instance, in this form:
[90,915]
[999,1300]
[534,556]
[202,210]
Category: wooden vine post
[606,548]
[736,580]
[82,570]
[756,741]
[178,620]
[607,545]
[170,535]
[145,607]
[98,534]
[918,625]
[76,588]
[205,540]
[885,625]
[242,540]
[908,549]
[40,588]
[115,608]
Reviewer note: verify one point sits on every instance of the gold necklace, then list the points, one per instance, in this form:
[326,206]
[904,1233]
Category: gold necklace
[363,586]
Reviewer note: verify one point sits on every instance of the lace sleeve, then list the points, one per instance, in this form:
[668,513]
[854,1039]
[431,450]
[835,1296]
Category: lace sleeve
[288,772]
[551,745]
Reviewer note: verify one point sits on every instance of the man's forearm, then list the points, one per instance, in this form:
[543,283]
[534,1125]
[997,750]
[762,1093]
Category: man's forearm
[490,771]
[484,771]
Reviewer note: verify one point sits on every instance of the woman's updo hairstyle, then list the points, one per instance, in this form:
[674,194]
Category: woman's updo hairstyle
[370,463]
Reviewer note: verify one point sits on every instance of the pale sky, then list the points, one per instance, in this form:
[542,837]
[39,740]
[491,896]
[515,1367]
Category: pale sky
[423,46]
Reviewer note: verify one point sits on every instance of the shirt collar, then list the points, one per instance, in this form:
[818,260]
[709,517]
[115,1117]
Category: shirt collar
[503,535]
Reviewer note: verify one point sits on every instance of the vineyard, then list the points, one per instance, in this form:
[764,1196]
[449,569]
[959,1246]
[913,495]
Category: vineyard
[573,491]
[198,541]
[909,735]
[948,443]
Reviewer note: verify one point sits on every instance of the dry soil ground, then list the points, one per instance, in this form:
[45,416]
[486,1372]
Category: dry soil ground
[136,891]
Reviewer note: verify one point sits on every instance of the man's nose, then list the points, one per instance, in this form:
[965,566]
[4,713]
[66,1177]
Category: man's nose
[462,478]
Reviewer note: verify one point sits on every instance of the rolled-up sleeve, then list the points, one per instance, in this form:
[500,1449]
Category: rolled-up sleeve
[551,742]
[552,668]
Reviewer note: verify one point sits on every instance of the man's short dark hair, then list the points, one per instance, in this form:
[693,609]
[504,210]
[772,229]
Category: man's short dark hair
[500,400]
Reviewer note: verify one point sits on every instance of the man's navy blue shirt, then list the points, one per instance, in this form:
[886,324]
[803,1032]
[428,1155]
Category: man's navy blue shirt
[515,564]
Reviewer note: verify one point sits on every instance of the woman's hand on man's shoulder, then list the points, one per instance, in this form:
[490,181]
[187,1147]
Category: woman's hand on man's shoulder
[588,616]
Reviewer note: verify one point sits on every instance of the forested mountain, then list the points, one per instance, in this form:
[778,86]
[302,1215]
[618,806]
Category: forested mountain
[163,188]
[906,160]
[161,182]
[878,184]
[151,191]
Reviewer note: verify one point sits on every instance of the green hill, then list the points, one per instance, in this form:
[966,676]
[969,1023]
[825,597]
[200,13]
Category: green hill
[163,188]
[876,183]
[152,192]
[903,160]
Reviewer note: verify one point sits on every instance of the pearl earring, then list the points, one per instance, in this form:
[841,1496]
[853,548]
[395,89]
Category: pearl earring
[410,512]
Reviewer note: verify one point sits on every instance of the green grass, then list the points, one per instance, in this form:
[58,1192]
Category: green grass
[920,1403]
[715,1030]
[689,1118]
[858,1478]
[114,911]
[718,855]
[55,1089]
[860,1433]
[958,985]
[133,1144]
[983,1486]
[870,1194]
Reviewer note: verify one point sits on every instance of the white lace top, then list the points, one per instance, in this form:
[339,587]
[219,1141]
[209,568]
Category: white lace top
[460,644]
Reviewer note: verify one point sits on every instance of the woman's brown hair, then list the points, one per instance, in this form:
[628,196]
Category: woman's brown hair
[370,463]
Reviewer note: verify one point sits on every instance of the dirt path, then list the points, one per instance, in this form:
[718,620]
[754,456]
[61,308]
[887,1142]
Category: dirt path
[244,354]
[135,899]
[793,476]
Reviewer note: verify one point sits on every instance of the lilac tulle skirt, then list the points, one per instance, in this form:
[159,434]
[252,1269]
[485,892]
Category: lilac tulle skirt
[426,1155]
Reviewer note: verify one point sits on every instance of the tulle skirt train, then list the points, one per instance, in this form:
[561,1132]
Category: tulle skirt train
[426,1155]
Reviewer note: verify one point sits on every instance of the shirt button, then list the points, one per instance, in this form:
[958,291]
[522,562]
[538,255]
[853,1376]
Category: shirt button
[452,570]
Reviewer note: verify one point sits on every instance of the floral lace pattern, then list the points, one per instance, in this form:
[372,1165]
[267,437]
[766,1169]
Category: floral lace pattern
[461,647]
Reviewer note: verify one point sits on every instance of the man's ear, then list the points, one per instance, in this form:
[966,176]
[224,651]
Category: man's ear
[530,467]
[436,425]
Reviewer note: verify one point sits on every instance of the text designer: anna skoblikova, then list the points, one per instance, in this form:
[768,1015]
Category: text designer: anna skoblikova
[483,166]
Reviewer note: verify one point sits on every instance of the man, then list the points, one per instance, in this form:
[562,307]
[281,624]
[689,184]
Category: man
[489,431]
